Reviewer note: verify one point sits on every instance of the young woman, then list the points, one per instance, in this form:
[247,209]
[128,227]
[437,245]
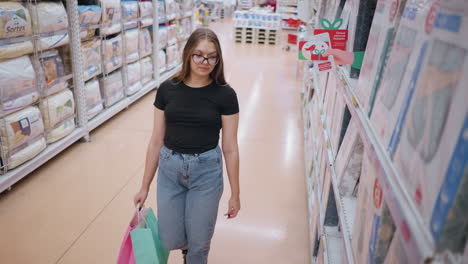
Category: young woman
[190,111]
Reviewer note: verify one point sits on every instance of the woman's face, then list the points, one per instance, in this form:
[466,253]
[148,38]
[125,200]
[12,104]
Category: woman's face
[203,58]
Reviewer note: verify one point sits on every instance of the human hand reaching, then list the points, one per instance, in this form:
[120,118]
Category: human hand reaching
[234,208]
[341,57]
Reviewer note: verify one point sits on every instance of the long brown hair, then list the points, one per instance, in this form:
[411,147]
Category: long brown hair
[198,35]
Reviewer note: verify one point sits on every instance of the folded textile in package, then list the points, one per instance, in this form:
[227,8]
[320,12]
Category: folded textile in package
[163,37]
[50,17]
[130,13]
[91,51]
[57,108]
[61,130]
[18,84]
[53,69]
[20,128]
[133,78]
[131,44]
[112,49]
[11,51]
[146,70]
[89,15]
[93,98]
[172,53]
[162,61]
[112,88]
[145,43]
[28,152]
[15,21]
[146,13]
[112,13]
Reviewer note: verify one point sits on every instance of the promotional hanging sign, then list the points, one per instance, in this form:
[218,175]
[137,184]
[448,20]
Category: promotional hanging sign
[338,37]
[325,66]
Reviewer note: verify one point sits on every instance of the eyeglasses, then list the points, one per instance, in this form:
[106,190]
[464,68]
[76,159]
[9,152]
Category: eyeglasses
[200,59]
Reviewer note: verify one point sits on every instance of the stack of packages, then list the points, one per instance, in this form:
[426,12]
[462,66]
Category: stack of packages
[163,38]
[146,42]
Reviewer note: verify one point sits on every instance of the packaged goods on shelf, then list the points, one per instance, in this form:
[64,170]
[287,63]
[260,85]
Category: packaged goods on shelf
[112,88]
[380,42]
[50,17]
[256,19]
[11,51]
[133,75]
[162,12]
[15,20]
[170,9]
[18,86]
[111,16]
[93,99]
[146,70]
[53,69]
[145,42]
[162,61]
[22,136]
[371,242]
[430,136]
[171,53]
[171,34]
[186,27]
[130,13]
[146,13]
[61,130]
[89,15]
[91,51]
[131,44]
[112,49]
[57,108]
[163,36]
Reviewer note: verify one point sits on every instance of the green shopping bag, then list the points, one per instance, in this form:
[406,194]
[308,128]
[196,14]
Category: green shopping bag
[152,223]
[147,247]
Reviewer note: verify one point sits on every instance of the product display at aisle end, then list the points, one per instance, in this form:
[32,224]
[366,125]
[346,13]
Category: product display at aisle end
[68,70]
[384,132]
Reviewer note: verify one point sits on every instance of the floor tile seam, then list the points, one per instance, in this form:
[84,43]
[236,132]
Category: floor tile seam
[134,173]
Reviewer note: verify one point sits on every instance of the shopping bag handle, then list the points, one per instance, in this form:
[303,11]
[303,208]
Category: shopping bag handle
[140,216]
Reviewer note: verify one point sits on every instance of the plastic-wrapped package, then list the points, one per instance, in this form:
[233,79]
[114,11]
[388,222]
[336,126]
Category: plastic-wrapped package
[162,61]
[133,74]
[170,9]
[130,13]
[112,14]
[146,70]
[162,12]
[89,15]
[145,43]
[112,88]
[28,152]
[131,44]
[57,108]
[18,84]
[11,51]
[133,88]
[163,37]
[146,13]
[172,53]
[171,34]
[91,51]
[93,99]
[112,49]
[15,20]
[53,69]
[51,16]
[61,130]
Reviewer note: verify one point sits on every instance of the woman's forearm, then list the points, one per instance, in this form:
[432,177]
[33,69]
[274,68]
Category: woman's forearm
[232,165]
[152,160]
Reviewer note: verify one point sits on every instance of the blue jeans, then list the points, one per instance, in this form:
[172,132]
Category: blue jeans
[189,190]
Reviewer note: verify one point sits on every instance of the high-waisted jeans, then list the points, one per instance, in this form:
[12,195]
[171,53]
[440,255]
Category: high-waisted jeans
[189,189]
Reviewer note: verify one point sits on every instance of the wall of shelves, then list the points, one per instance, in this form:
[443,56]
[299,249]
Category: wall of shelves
[71,50]
[388,202]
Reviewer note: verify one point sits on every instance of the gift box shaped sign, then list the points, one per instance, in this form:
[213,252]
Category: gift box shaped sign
[338,37]
[314,48]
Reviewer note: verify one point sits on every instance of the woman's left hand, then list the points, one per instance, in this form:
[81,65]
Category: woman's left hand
[234,208]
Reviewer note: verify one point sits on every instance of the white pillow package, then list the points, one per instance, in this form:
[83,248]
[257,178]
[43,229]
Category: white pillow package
[145,43]
[93,98]
[112,88]
[133,78]
[57,108]
[131,44]
[112,13]
[146,70]
[18,84]
[112,49]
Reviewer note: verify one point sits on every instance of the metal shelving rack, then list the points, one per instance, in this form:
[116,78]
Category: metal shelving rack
[287,9]
[84,127]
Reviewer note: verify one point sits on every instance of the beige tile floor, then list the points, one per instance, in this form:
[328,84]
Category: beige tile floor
[75,208]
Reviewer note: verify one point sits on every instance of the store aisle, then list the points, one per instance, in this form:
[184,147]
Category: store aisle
[75,208]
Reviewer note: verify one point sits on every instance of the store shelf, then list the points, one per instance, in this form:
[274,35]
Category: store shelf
[168,74]
[107,114]
[333,245]
[13,176]
[402,207]
[151,85]
[8,41]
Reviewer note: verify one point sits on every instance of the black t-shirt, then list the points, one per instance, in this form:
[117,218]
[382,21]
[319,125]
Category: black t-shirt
[193,115]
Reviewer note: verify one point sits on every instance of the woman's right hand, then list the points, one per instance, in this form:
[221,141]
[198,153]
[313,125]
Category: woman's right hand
[140,198]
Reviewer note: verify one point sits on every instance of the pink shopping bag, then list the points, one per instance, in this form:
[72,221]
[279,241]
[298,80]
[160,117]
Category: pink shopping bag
[126,255]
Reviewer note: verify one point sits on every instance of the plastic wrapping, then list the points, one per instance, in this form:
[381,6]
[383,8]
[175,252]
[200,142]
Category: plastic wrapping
[91,51]
[27,153]
[130,13]
[112,14]
[15,20]
[15,50]
[112,49]
[53,69]
[171,34]
[146,13]
[93,99]
[146,70]
[172,53]
[112,88]
[57,108]
[18,84]
[61,130]
[51,16]
[145,43]
[133,72]
[162,61]
[89,15]
[131,45]
[163,37]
